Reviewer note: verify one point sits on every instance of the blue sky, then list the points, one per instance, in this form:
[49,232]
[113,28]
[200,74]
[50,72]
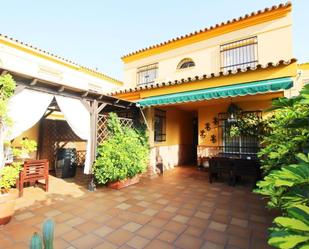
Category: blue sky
[96,33]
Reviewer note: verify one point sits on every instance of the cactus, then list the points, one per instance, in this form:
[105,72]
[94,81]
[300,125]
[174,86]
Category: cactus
[36,241]
[48,237]
[48,234]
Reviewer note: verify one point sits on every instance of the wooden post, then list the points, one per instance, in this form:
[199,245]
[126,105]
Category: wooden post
[93,129]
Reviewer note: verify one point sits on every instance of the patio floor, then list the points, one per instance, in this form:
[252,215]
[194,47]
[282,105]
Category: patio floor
[178,210]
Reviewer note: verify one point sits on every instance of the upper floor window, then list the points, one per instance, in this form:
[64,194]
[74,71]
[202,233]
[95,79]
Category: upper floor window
[147,74]
[239,54]
[186,63]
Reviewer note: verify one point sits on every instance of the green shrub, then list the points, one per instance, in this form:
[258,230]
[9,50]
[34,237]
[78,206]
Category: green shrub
[285,161]
[8,176]
[123,155]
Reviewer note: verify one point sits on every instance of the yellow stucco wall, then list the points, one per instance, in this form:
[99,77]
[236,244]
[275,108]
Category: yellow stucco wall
[206,53]
[32,134]
[207,113]
[304,73]
[178,127]
[250,76]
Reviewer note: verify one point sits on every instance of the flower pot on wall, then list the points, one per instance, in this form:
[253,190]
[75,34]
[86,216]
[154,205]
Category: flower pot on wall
[124,183]
[7,206]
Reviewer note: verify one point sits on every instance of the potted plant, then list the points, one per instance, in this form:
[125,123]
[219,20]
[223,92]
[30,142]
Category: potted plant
[8,176]
[122,157]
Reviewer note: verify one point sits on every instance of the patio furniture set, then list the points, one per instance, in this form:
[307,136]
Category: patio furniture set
[234,169]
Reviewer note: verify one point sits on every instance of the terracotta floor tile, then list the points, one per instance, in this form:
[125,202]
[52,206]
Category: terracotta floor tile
[185,212]
[175,227]
[148,231]
[187,241]
[167,236]
[75,221]
[211,245]
[187,208]
[138,242]
[60,243]
[103,231]
[181,218]
[156,244]
[106,245]
[217,226]
[63,217]
[238,231]
[157,222]
[87,226]
[61,229]
[198,222]
[87,241]
[132,226]
[116,222]
[71,235]
[165,215]
[24,216]
[170,209]
[215,236]
[136,209]
[119,237]
[202,215]
[150,212]
[239,242]
[20,245]
[239,222]
[194,231]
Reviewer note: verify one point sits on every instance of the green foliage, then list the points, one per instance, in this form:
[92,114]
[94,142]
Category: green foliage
[48,236]
[123,155]
[9,173]
[291,231]
[7,86]
[283,141]
[8,176]
[248,124]
[284,185]
[26,146]
[285,161]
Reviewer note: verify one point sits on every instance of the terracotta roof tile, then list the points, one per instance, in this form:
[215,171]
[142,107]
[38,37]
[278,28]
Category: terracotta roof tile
[204,76]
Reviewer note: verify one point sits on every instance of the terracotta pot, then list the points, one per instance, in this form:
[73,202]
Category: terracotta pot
[124,183]
[7,206]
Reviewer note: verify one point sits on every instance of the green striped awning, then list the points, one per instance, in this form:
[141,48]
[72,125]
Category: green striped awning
[243,89]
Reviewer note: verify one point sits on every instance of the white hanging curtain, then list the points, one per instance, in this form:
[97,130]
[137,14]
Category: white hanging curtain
[78,118]
[26,109]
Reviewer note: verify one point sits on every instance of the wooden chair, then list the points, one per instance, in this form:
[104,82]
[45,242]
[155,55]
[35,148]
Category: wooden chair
[32,172]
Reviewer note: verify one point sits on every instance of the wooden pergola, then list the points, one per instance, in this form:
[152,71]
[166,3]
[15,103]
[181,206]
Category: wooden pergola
[97,104]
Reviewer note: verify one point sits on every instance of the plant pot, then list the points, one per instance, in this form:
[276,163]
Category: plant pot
[7,206]
[124,183]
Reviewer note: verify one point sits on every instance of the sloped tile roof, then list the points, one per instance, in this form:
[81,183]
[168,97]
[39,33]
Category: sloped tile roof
[203,77]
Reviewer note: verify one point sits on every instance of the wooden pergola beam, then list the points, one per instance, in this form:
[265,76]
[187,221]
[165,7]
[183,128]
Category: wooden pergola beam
[37,84]
[33,82]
